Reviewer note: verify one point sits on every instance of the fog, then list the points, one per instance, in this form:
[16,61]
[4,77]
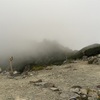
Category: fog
[72,23]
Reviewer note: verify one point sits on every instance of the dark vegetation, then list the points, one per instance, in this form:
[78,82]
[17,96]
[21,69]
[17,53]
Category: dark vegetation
[88,51]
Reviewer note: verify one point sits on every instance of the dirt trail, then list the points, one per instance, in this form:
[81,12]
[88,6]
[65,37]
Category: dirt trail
[64,77]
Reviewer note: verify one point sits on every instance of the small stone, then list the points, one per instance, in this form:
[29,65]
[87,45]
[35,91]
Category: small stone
[18,98]
[98,86]
[54,89]
[83,91]
[46,85]
[74,69]
[40,84]
[75,90]
[37,81]
[31,74]
[5,73]
[15,72]
[64,94]
[24,76]
[74,98]
[76,86]
[98,56]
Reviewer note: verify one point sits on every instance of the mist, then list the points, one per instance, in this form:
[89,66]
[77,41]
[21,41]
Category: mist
[24,23]
[34,54]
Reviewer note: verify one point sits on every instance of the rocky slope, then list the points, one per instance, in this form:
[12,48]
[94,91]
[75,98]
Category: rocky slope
[53,83]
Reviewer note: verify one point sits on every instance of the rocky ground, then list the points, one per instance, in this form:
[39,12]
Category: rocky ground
[53,83]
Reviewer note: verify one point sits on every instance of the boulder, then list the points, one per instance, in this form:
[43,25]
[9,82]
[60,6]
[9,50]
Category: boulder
[86,94]
[94,60]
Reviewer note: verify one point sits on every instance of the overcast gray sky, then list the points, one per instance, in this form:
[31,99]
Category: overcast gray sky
[73,23]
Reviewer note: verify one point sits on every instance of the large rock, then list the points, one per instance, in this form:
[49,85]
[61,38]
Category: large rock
[94,60]
[91,60]
[85,94]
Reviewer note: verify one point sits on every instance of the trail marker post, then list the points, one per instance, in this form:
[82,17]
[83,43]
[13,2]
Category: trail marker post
[11,67]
